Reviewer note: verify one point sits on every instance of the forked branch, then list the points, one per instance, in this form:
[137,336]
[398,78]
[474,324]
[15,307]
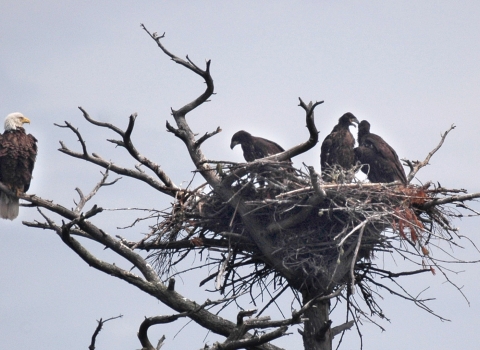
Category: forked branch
[290,153]
[98,160]
[101,322]
[84,199]
[313,134]
[128,145]
[417,165]
[205,74]
[183,130]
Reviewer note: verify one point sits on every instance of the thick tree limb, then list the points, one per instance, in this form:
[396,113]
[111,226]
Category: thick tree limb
[156,289]
[343,327]
[451,199]
[152,285]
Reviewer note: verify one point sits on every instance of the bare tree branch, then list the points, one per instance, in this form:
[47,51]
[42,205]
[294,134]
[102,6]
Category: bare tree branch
[252,342]
[150,321]
[84,199]
[313,135]
[98,329]
[152,285]
[341,328]
[184,132]
[206,137]
[128,145]
[96,159]
[452,199]
[416,166]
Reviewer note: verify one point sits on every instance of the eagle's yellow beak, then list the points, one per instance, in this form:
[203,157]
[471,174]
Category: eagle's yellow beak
[25,120]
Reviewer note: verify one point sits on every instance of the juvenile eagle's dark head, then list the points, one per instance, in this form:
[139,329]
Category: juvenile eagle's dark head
[239,138]
[348,119]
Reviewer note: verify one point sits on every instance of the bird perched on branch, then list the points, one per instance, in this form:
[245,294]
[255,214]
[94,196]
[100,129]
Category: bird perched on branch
[255,147]
[337,148]
[381,160]
[18,152]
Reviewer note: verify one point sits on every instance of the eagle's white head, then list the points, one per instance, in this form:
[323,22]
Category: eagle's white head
[15,120]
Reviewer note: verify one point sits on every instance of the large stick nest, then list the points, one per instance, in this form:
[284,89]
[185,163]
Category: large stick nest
[326,235]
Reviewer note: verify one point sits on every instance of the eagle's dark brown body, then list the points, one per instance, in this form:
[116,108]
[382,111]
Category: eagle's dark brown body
[382,162]
[337,148]
[17,158]
[254,147]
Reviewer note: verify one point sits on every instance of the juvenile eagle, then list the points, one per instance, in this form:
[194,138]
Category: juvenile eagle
[17,157]
[337,148]
[255,147]
[382,163]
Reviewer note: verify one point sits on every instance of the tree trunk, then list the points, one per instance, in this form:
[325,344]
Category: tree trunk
[317,334]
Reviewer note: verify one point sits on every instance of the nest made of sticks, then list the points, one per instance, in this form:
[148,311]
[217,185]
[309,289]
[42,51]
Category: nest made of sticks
[324,242]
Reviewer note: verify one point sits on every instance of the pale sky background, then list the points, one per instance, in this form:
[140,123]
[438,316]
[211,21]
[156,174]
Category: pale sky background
[411,68]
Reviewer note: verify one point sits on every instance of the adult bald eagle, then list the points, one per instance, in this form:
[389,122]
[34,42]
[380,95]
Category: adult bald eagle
[255,147]
[382,163]
[17,157]
[337,148]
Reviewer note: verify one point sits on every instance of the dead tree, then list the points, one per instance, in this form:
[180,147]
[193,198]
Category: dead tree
[263,226]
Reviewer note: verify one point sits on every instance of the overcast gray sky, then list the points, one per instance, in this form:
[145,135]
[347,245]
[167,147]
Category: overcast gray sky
[411,68]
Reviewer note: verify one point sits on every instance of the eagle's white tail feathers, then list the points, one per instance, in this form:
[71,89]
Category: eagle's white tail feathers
[8,206]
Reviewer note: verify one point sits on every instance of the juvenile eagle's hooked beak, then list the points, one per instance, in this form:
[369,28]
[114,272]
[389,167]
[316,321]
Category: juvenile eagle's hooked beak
[233,144]
[354,120]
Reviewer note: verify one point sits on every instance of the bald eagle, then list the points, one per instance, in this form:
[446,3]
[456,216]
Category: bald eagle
[381,160]
[337,148]
[255,147]
[17,158]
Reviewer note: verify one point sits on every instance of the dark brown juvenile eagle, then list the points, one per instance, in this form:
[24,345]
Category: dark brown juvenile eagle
[17,157]
[255,147]
[337,148]
[382,163]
